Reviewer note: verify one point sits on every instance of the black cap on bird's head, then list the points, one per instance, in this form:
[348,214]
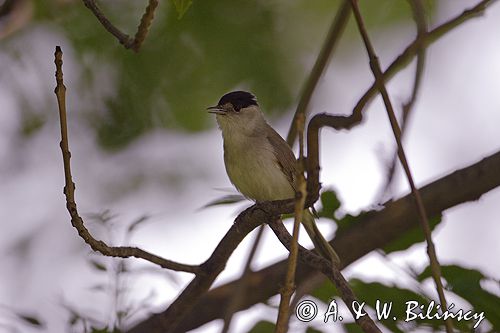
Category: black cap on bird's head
[238,100]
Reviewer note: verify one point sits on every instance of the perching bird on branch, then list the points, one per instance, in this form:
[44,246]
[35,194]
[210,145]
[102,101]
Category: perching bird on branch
[259,163]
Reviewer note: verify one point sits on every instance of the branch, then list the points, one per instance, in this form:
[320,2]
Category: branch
[143,28]
[241,291]
[69,192]
[379,80]
[205,273]
[330,270]
[423,41]
[421,23]
[372,231]
[335,32]
[124,39]
[293,244]
[248,220]
[371,237]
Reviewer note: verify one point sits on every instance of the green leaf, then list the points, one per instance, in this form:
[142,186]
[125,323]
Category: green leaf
[263,327]
[370,292]
[348,220]
[329,204]
[325,292]
[414,236]
[313,330]
[466,283]
[31,319]
[182,7]
[352,328]
[184,65]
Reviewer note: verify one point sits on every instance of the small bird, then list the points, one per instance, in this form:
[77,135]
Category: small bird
[259,162]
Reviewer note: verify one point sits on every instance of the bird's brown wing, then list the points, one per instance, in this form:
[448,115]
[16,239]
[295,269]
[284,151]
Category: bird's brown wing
[284,156]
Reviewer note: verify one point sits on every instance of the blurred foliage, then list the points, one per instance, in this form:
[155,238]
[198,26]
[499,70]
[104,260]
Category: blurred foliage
[466,283]
[352,328]
[413,236]
[463,282]
[330,203]
[182,6]
[262,326]
[194,53]
[330,206]
[370,292]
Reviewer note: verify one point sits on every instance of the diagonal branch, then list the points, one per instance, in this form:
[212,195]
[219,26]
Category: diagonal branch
[69,192]
[330,270]
[421,23]
[248,220]
[371,231]
[242,290]
[379,80]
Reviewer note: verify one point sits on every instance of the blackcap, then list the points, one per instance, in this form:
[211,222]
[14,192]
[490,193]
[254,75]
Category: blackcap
[259,162]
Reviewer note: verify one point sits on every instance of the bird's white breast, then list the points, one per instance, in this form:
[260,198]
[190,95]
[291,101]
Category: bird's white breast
[253,168]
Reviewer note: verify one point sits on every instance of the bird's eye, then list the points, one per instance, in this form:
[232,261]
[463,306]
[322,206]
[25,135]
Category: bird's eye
[237,108]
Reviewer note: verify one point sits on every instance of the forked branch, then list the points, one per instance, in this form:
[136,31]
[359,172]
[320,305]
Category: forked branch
[124,39]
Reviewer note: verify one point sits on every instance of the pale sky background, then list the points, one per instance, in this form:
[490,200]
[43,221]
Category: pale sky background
[454,124]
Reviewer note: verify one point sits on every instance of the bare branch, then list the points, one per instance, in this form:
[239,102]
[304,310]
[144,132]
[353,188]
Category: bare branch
[379,80]
[372,231]
[330,270]
[412,49]
[241,291]
[124,39]
[69,192]
[421,23]
[146,20]
[248,220]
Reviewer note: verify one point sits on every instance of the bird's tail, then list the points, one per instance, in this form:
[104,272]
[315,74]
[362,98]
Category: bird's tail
[320,243]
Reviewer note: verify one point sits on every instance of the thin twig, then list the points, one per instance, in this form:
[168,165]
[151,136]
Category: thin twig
[289,285]
[421,23]
[124,39]
[334,33]
[69,192]
[377,73]
[241,290]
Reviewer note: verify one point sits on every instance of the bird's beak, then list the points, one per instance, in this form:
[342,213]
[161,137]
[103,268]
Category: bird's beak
[216,109]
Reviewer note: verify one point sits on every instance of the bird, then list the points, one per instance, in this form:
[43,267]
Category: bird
[258,161]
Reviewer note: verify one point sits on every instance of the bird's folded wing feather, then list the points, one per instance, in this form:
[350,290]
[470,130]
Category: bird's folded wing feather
[284,156]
